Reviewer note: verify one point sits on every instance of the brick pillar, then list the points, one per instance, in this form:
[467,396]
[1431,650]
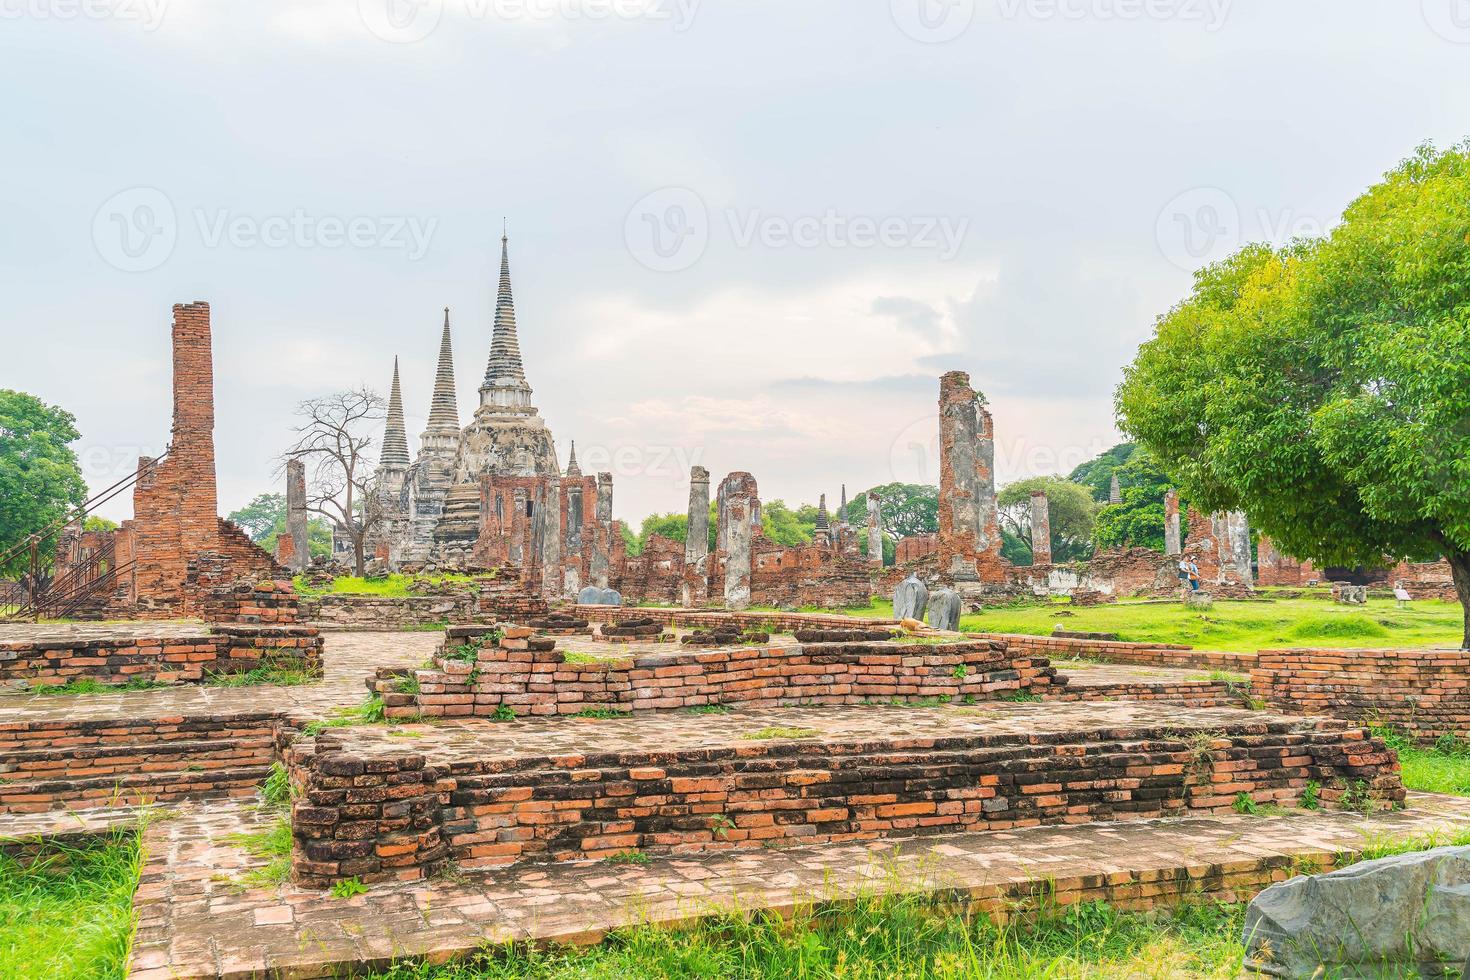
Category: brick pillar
[969,533]
[739,519]
[696,542]
[175,505]
[551,584]
[1239,535]
[875,529]
[296,516]
[1173,542]
[1040,528]
[603,532]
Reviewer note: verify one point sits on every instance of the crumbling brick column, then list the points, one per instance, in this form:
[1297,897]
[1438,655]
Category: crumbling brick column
[1040,528]
[296,529]
[695,587]
[1238,537]
[175,507]
[875,529]
[969,531]
[1173,540]
[551,531]
[739,519]
[603,532]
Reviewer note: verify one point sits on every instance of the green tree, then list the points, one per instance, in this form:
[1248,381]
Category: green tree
[1138,522]
[261,516]
[95,523]
[40,479]
[906,509]
[1071,509]
[785,526]
[1097,474]
[1325,388]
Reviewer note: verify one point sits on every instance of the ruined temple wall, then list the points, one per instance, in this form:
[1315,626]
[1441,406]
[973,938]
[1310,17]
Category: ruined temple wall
[969,530]
[1275,568]
[1132,572]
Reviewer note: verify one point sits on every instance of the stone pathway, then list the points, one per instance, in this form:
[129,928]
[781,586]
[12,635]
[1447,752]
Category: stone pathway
[350,658]
[196,921]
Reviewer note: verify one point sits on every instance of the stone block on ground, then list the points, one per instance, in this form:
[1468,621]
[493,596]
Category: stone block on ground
[1406,915]
[910,599]
[944,610]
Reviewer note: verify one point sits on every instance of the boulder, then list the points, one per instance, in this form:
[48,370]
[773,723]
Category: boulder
[910,598]
[590,596]
[944,610]
[1409,912]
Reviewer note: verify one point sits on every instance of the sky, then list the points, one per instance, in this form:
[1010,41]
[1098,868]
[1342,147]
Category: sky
[745,234]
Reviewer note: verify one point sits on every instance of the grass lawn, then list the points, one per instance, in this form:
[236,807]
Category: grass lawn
[392,586]
[68,914]
[1232,626]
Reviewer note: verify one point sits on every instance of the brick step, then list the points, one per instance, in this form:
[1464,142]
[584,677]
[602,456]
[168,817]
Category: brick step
[85,762]
[555,790]
[38,796]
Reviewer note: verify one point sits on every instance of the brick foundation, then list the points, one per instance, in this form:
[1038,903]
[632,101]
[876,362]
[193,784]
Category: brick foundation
[370,801]
[1424,692]
[168,658]
[529,677]
[1118,652]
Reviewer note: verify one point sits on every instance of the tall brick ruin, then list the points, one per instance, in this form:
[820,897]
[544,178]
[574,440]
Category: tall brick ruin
[1173,540]
[969,529]
[1040,528]
[739,521]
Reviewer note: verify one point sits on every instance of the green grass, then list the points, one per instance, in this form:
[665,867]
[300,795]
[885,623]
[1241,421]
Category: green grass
[68,913]
[90,685]
[889,938]
[274,842]
[391,586]
[1237,626]
[280,671]
[1442,768]
[778,732]
[370,712]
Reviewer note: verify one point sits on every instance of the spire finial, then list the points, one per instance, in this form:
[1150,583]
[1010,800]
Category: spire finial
[395,438]
[504,370]
[444,409]
[572,468]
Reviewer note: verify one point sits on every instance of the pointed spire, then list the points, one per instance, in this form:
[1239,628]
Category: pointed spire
[395,438]
[842,510]
[444,409]
[823,520]
[572,468]
[504,368]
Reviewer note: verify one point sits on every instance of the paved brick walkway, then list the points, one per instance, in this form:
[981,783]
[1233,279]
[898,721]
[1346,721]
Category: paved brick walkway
[350,659]
[195,921]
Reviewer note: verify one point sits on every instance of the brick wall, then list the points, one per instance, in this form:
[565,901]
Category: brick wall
[370,808]
[1424,692]
[530,677]
[1118,652]
[783,622]
[187,659]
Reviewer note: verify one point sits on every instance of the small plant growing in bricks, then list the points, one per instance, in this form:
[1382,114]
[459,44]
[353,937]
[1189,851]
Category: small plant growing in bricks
[708,709]
[277,789]
[1201,764]
[407,685]
[1020,697]
[960,672]
[721,825]
[466,653]
[1311,796]
[370,712]
[627,857]
[602,713]
[779,732]
[503,712]
[1245,803]
[348,888]
[1357,796]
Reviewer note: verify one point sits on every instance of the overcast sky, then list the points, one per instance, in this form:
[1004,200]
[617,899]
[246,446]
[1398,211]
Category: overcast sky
[748,234]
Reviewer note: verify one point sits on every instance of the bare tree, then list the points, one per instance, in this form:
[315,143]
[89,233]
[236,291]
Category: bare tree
[335,441]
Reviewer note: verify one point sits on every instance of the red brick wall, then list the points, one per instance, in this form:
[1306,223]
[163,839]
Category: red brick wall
[1118,652]
[1424,692]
